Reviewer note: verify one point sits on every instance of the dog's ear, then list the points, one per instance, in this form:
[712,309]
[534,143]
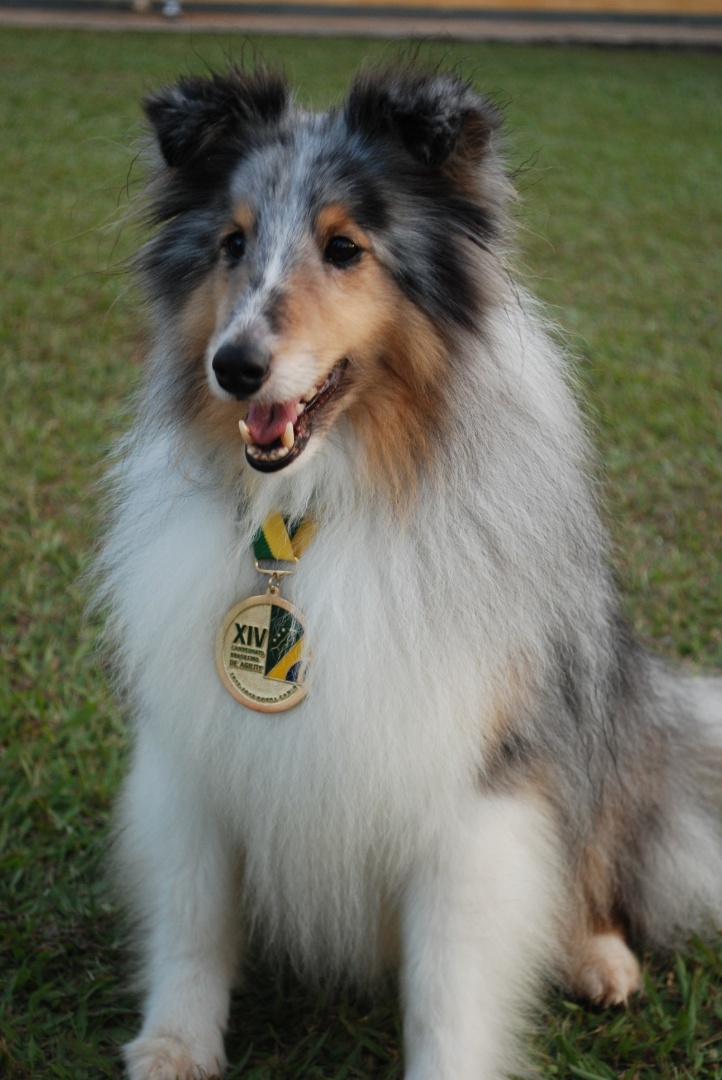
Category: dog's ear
[437,117]
[198,114]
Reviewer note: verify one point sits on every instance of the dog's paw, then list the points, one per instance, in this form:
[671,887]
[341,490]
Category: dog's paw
[170,1057]
[605,970]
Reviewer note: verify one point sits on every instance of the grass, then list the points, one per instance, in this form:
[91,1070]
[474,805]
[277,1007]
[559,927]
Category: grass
[621,233]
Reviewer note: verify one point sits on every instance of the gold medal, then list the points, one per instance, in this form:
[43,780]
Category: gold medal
[260,653]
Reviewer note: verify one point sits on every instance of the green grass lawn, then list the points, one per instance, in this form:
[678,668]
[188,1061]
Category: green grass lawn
[621,233]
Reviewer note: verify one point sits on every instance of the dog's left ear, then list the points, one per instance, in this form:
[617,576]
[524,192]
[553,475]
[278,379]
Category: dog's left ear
[200,115]
[438,118]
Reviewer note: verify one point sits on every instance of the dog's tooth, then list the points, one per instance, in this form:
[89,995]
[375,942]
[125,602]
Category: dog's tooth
[287,438]
[300,408]
[310,394]
[283,451]
[245,433]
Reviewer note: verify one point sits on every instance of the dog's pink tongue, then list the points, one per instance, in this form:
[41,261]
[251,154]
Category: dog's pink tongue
[267,423]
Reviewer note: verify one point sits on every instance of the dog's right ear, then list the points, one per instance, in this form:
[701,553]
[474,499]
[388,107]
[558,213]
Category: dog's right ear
[199,115]
[438,117]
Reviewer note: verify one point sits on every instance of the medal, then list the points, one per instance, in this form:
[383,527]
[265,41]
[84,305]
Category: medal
[259,653]
[260,647]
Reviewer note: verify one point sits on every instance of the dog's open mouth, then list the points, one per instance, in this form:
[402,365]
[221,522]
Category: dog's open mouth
[276,434]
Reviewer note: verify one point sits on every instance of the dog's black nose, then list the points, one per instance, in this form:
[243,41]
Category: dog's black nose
[241,367]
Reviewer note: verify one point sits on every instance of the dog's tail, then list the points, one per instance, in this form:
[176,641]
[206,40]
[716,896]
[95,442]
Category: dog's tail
[672,868]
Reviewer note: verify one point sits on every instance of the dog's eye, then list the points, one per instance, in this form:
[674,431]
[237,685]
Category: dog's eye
[341,251]
[234,246]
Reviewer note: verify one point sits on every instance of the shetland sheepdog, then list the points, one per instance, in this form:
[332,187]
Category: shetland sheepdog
[484,779]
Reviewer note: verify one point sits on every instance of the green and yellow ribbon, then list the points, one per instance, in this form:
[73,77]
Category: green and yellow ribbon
[281,541]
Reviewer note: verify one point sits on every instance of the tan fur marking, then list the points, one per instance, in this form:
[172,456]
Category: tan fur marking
[596,882]
[333,220]
[399,400]
[244,219]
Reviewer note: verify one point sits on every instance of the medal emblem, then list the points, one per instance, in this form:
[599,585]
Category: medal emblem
[260,653]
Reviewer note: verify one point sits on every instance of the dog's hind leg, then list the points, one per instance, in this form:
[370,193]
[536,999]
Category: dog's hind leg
[479,932]
[598,965]
[174,860]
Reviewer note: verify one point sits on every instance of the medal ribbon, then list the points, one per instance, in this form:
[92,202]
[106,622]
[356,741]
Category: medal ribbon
[281,541]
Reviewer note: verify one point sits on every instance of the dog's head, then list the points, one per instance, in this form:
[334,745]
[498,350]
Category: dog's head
[313,265]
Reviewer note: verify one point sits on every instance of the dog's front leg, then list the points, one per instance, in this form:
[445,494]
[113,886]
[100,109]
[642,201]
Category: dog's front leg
[478,932]
[177,866]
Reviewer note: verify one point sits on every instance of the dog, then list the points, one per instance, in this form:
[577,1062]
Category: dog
[435,745]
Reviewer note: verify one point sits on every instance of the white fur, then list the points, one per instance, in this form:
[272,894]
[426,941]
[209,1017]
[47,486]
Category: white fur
[478,928]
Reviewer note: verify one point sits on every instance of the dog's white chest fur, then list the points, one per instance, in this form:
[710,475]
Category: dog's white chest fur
[331,802]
